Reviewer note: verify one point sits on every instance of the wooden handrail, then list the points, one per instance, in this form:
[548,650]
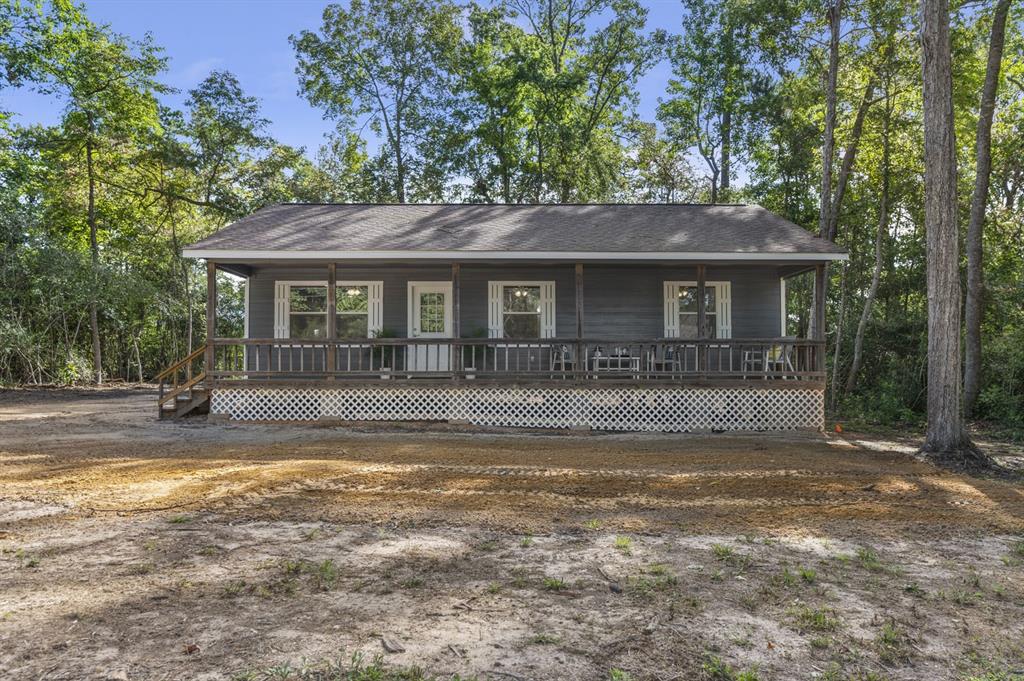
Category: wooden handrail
[184,387]
[180,363]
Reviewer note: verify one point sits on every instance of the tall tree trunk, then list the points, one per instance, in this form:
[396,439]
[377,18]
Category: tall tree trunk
[849,156]
[983,164]
[876,273]
[94,250]
[828,139]
[945,439]
[726,151]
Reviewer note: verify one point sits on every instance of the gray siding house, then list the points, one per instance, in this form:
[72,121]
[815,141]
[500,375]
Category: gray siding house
[615,317]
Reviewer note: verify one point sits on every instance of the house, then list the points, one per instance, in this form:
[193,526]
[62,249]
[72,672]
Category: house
[614,317]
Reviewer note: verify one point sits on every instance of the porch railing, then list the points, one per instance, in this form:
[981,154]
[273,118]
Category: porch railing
[490,359]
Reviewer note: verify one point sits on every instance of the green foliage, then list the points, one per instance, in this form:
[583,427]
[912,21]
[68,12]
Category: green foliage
[511,101]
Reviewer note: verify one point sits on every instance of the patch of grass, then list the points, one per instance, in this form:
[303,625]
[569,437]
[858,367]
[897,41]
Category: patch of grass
[526,542]
[292,567]
[808,576]
[339,670]
[656,578]
[325,575]
[821,642]
[785,578]
[140,569]
[624,544]
[149,545]
[234,588]
[722,552]
[1017,548]
[26,560]
[519,579]
[544,639]
[209,550]
[892,643]
[717,669]
[313,534]
[555,584]
[619,675]
[412,583]
[868,559]
[493,588]
[487,546]
[180,519]
[965,597]
[914,590]
[806,618]
[593,524]
[732,558]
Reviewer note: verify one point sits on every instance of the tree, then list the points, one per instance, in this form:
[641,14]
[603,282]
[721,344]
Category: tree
[109,84]
[659,171]
[388,61]
[945,438]
[709,91]
[983,171]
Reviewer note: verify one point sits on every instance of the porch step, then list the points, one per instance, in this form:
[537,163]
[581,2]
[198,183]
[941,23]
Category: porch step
[195,401]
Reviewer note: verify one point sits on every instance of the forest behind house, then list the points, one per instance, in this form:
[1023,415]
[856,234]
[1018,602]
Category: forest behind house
[813,110]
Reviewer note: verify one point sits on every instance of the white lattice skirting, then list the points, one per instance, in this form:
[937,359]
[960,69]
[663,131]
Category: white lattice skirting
[602,408]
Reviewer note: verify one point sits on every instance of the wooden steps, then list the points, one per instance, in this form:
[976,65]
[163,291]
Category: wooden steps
[195,401]
[182,388]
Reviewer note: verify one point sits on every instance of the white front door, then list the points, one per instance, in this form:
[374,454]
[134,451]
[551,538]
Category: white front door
[430,316]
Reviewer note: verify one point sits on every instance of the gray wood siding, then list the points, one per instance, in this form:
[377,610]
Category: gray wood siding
[620,301]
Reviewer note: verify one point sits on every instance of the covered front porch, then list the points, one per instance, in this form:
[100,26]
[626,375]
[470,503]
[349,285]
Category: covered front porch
[619,346]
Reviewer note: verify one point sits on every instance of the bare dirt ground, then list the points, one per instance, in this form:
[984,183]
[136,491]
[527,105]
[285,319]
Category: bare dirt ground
[137,549]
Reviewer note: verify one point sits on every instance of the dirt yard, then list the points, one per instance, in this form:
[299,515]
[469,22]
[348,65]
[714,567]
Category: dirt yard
[137,549]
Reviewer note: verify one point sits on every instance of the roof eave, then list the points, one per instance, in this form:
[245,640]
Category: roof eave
[245,255]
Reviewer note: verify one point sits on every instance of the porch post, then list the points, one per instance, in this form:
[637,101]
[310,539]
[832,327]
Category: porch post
[819,315]
[211,317]
[332,316]
[456,349]
[702,318]
[580,362]
[579,300]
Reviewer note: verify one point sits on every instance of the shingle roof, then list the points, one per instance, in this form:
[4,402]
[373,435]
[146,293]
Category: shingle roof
[468,228]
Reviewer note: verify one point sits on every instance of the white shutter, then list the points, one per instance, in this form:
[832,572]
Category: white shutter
[547,309]
[281,291]
[671,309]
[723,309]
[494,325]
[375,307]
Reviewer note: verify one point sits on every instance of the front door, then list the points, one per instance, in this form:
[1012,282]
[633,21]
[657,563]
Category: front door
[430,316]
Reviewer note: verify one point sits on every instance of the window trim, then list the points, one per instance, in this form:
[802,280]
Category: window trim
[496,307]
[282,304]
[722,312]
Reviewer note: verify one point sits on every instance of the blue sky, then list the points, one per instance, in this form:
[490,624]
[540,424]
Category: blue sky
[250,39]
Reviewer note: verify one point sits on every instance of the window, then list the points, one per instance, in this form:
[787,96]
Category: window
[522,309]
[301,309]
[681,309]
[352,311]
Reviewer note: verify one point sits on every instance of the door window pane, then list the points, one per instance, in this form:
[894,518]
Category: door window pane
[432,313]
